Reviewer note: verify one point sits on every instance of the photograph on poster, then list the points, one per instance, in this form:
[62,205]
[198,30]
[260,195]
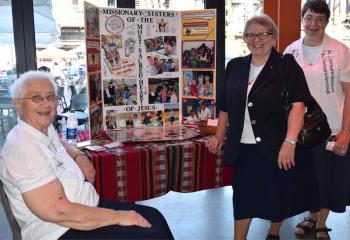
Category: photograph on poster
[171,116]
[198,54]
[92,23]
[203,109]
[139,119]
[166,133]
[110,47]
[195,29]
[163,90]
[154,65]
[112,40]
[162,25]
[198,84]
[154,44]
[96,120]
[118,92]
[93,55]
[111,119]
[95,89]
[170,45]
[93,59]
[129,46]
[169,64]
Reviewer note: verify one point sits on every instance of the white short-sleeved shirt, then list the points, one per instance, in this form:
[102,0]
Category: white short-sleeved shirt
[324,75]
[30,159]
[205,114]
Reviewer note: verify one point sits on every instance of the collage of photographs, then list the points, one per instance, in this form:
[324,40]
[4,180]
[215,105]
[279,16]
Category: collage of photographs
[198,95]
[152,73]
[140,73]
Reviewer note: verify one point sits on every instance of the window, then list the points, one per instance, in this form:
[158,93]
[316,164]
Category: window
[237,13]
[8,72]
[170,4]
[60,43]
[339,22]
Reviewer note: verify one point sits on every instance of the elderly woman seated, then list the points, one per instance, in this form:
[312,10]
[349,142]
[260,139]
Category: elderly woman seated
[49,183]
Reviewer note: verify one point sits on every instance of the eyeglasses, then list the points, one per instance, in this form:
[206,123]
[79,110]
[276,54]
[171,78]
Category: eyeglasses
[261,36]
[39,98]
[318,20]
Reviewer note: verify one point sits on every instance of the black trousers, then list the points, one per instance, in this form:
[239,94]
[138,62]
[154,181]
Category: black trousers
[159,229]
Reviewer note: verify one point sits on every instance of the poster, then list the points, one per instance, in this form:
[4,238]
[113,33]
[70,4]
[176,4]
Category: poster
[198,65]
[140,60]
[145,65]
[93,63]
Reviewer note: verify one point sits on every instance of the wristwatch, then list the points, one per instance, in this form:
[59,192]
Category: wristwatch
[293,142]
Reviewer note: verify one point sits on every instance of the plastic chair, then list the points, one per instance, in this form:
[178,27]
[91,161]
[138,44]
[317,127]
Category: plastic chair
[79,102]
[61,101]
[6,123]
[15,229]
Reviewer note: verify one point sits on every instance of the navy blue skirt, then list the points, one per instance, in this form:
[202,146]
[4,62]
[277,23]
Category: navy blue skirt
[262,190]
[333,178]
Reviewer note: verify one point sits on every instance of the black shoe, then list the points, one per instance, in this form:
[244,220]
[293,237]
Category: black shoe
[326,230]
[272,237]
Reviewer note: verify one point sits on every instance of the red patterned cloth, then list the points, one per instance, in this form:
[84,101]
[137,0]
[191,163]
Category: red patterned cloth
[143,171]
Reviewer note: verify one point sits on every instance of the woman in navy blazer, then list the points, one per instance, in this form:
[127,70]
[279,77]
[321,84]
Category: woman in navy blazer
[268,177]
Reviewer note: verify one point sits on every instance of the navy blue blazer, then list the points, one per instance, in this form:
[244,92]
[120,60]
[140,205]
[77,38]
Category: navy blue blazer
[264,102]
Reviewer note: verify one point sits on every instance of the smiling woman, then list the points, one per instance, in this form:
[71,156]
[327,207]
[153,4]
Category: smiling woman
[50,182]
[260,142]
[34,96]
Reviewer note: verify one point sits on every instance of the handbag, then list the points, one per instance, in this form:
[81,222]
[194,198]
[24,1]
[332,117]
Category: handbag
[316,128]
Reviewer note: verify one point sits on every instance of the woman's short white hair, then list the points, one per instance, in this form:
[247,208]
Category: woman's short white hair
[18,87]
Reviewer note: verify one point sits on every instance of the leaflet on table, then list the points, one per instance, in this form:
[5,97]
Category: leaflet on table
[95,148]
[167,133]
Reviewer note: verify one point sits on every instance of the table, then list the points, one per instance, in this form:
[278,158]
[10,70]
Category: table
[9,108]
[137,172]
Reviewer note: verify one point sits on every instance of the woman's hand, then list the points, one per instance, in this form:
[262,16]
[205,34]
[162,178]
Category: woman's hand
[214,144]
[132,218]
[341,143]
[86,167]
[286,156]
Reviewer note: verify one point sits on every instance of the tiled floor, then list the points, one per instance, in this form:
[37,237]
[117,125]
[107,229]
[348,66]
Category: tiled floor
[207,215]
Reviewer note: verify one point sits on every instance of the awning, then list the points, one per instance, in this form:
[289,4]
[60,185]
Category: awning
[46,30]
[53,53]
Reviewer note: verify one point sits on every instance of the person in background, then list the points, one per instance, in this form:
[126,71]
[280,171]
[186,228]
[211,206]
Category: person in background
[205,112]
[110,94]
[164,93]
[208,87]
[172,116]
[44,69]
[192,119]
[49,183]
[173,96]
[187,83]
[194,88]
[271,181]
[326,64]
[200,85]
[153,69]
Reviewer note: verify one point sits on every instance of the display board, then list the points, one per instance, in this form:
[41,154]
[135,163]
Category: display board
[149,68]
